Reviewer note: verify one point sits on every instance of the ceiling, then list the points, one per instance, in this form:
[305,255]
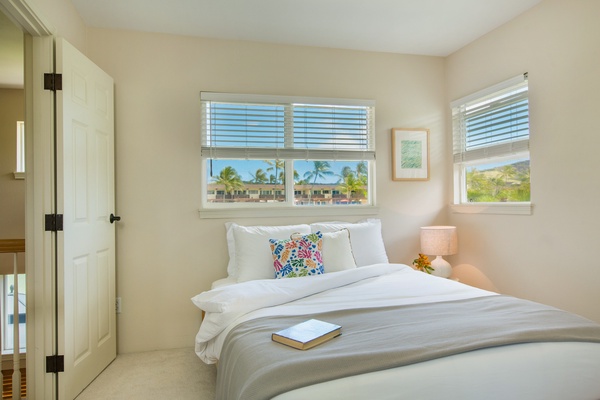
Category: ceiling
[424,27]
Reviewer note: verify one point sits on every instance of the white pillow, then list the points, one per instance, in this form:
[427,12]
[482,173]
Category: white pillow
[231,266]
[253,258]
[337,251]
[365,238]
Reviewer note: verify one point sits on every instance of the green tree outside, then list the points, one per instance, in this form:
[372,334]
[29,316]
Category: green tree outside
[352,182]
[508,183]
[321,169]
[229,178]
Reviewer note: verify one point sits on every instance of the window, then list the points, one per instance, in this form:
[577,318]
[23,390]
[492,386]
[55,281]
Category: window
[290,150]
[7,312]
[491,145]
[20,169]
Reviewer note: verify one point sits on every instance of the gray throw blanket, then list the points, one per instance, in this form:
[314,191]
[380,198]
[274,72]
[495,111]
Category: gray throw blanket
[253,367]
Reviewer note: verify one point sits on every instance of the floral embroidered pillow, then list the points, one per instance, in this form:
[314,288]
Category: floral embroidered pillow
[298,256]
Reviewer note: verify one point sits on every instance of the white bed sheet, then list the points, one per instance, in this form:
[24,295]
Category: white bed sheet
[525,371]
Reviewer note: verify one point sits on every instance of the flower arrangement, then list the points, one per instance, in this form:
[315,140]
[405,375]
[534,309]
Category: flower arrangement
[423,264]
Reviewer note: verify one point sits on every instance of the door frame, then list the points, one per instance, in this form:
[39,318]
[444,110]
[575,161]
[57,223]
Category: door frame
[40,196]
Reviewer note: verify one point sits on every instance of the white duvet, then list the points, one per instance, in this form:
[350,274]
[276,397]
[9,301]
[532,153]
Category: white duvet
[372,286]
[531,371]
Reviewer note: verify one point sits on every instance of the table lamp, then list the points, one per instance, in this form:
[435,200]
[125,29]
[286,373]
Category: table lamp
[439,241]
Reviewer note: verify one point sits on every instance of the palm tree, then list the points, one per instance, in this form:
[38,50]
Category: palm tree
[346,171]
[353,181]
[321,169]
[259,176]
[229,178]
[362,171]
[277,165]
[279,176]
[352,184]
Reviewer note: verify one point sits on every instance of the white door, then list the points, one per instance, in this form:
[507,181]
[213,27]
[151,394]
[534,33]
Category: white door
[85,191]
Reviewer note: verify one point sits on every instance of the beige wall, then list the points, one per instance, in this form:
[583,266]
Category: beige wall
[548,256]
[166,252]
[62,18]
[12,192]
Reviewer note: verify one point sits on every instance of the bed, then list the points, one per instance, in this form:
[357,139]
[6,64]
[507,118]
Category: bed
[405,334]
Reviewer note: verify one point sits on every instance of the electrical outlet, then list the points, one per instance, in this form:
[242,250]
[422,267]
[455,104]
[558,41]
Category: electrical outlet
[118,305]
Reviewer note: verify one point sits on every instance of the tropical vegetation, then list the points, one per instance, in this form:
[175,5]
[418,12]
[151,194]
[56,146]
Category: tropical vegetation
[351,182]
[229,178]
[508,183]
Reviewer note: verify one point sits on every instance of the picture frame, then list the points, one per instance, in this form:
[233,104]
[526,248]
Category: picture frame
[410,154]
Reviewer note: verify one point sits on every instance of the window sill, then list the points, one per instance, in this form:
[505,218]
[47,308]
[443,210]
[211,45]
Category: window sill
[19,175]
[277,212]
[493,208]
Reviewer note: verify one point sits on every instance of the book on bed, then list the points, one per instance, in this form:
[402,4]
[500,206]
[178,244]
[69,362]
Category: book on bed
[307,334]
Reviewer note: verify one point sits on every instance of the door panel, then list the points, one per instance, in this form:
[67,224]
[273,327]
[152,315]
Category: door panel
[85,180]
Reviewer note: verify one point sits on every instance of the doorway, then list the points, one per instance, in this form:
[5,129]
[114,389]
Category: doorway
[70,279]
[12,209]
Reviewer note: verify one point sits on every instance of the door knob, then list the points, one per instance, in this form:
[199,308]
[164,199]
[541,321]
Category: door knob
[114,218]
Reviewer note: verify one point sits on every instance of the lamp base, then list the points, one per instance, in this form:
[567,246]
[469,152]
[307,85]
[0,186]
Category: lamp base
[441,267]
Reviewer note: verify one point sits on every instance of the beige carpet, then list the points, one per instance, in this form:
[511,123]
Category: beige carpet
[168,374]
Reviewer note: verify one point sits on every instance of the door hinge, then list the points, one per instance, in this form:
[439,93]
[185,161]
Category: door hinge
[55,364]
[52,81]
[53,222]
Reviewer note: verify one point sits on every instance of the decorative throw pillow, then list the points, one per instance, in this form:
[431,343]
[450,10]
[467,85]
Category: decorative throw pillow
[298,256]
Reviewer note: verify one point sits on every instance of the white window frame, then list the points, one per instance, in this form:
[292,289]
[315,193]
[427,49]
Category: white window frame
[287,208]
[512,150]
[20,168]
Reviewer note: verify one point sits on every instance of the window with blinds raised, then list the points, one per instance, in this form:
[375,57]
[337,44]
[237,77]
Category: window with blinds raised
[491,144]
[261,151]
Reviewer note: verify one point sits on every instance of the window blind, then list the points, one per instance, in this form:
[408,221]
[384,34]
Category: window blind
[493,123]
[281,127]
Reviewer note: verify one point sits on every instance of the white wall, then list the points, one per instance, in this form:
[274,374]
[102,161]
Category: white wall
[166,253]
[550,255]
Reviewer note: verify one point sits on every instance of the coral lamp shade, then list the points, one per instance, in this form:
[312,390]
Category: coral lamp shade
[439,240]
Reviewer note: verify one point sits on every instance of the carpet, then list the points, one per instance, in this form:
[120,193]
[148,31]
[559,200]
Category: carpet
[166,374]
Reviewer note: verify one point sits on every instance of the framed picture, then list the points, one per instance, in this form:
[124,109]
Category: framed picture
[410,154]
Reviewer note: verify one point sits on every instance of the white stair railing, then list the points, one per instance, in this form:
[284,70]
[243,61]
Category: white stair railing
[14,246]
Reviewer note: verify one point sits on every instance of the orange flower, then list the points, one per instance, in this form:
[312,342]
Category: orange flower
[423,264]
